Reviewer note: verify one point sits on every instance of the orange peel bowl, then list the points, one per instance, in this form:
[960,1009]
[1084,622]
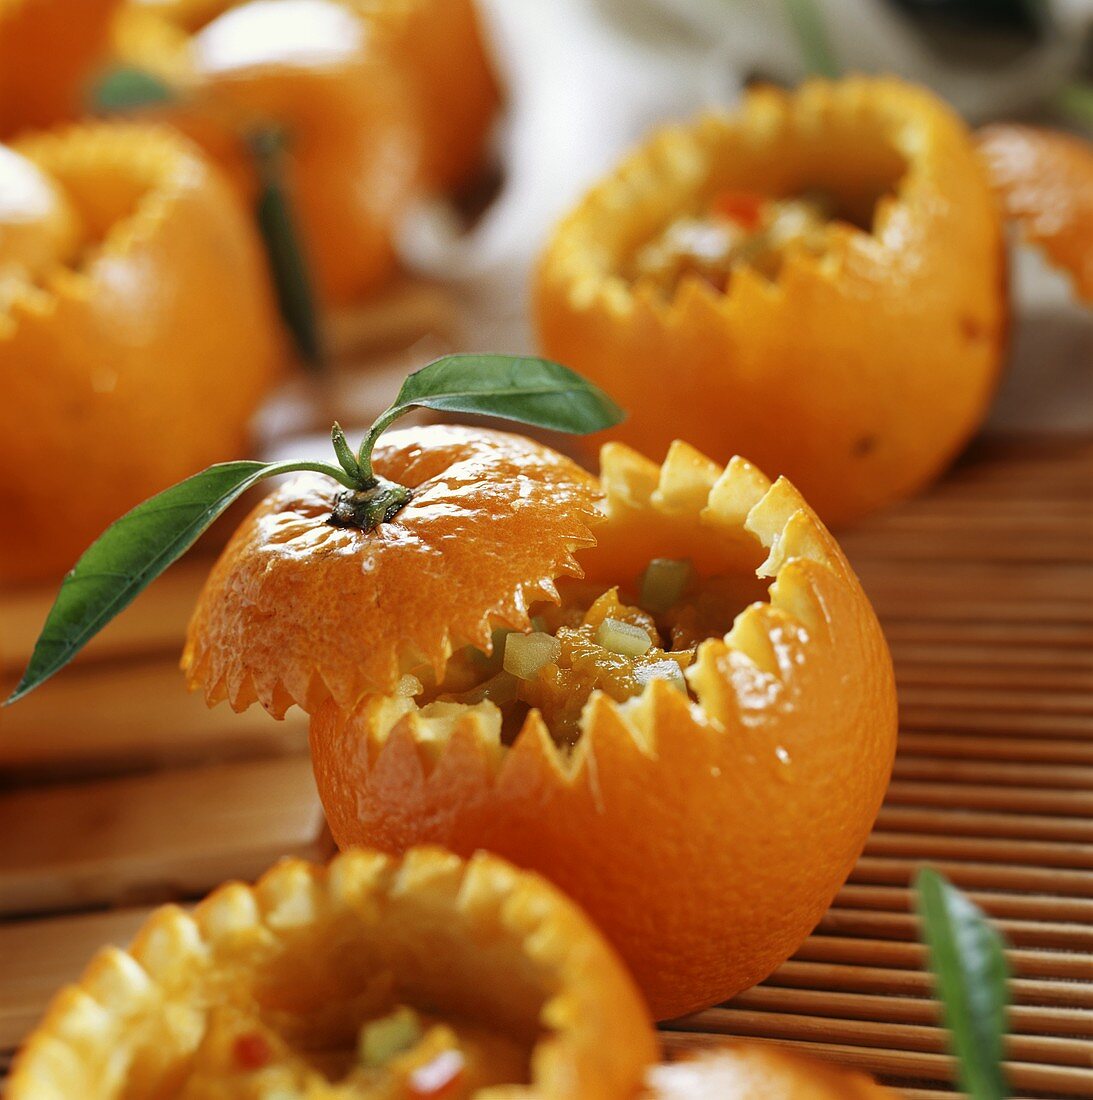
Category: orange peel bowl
[353,146]
[255,986]
[1044,180]
[706,830]
[128,279]
[863,365]
[48,51]
[759,1071]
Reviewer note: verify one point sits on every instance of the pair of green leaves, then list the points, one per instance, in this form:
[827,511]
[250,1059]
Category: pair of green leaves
[137,548]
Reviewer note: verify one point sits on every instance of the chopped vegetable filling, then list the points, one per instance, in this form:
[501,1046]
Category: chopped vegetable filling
[739,228]
[593,641]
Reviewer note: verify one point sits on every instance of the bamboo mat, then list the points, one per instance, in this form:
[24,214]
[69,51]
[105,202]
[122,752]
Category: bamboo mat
[120,790]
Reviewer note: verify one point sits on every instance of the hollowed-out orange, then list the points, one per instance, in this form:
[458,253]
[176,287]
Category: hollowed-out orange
[137,332]
[278,990]
[815,280]
[705,824]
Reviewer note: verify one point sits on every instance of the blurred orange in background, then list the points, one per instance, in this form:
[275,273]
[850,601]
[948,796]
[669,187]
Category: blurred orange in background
[137,331]
[48,51]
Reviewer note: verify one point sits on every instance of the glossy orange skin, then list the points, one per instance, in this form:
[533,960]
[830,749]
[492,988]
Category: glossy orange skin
[475,940]
[759,1071]
[707,839]
[858,374]
[353,146]
[116,372]
[1044,180]
[49,49]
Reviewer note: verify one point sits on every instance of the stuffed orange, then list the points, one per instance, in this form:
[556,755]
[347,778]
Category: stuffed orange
[754,1071]
[137,332]
[48,52]
[304,70]
[425,978]
[1044,180]
[664,688]
[815,281]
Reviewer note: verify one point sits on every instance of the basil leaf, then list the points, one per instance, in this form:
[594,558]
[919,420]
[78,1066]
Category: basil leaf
[284,246]
[132,552]
[967,956]
[524,389]
[129,89]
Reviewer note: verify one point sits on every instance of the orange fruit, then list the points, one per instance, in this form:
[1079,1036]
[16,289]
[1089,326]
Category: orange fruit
[438,44]
[705,824]
[352,145]
[1044,180]
[435,44]
[265,990]
[137,332]
[48,51]
[851,339]
[759,1071]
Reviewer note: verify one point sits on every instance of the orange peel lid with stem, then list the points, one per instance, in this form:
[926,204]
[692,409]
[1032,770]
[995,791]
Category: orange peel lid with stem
[754,1071]
[478,941]
[298,611]
[1044,180]
[705,835]
[864,364]
[117,309]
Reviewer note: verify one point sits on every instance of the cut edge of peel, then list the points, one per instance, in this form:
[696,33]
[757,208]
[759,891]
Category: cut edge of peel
[513,613]
[675,161]
[494,899]
[737,498]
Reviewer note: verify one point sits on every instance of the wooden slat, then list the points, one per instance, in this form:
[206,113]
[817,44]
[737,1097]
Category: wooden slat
[133,716]
[155,836]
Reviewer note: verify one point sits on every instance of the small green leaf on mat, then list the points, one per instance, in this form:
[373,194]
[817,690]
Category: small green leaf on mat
[968,958]
[807,21]
[284,245]
[125,88]
[133,551]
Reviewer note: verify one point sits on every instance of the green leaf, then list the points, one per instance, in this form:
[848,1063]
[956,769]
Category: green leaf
[284,245]
[125,88]
[527,390]
[967,956]
[133,551]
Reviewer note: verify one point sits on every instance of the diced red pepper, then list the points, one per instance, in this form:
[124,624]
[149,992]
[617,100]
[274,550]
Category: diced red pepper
[743,207]
[438,1078]
[251,1052]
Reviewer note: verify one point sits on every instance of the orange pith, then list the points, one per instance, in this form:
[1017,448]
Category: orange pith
[864,360]
[754,1071]
[48,53]
[1044,180]
[118,308]
[267,986]
[705,830]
